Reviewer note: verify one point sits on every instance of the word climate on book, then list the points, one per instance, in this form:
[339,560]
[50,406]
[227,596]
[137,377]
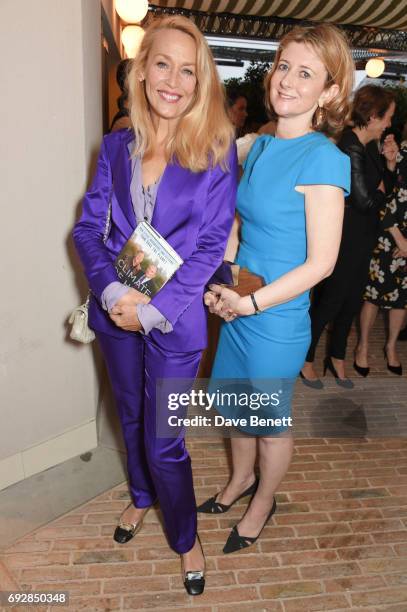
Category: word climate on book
[147,261]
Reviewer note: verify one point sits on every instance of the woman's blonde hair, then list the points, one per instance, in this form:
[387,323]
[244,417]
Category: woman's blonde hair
[331,46]
[204,133]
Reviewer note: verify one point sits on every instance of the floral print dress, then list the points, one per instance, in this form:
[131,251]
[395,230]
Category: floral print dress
[387,286]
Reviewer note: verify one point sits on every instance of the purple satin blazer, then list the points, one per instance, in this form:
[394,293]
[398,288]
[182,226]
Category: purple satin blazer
[194,212]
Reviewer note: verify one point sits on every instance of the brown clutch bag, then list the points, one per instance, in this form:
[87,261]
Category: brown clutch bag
[244,281]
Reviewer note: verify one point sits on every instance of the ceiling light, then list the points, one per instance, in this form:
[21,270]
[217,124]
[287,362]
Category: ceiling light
[374,67]
[131,38]
[131,11]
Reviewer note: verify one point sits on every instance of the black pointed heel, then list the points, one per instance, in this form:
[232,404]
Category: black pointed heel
[346,383]
[362,371]
[313,384]
[194,580]
[393,369]
[236,541]
[211,506]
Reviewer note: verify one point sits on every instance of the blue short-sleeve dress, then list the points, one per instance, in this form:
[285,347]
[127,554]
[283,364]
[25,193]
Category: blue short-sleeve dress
[273,242]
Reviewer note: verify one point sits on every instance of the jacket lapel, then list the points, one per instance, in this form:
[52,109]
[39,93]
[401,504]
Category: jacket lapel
[172,199]
[121,171]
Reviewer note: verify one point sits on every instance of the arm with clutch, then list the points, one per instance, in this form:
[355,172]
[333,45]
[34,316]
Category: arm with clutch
[324,205]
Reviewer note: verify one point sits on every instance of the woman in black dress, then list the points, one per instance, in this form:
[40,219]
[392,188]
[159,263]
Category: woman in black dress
[387,285]
[338,298]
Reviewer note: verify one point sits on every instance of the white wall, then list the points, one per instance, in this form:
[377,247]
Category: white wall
[50,108]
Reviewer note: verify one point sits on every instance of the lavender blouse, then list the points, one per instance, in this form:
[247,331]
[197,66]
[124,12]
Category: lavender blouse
[143,204]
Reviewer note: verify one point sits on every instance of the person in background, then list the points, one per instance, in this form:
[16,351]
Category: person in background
[121,120]
[387,285]
[403,333]
[338,298]
[182,146]
[237,107]
[290,203]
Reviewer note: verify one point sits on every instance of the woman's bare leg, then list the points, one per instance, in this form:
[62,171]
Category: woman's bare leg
[397,318]
[367,318]
[244,457]
[194,559]
[308,371]
[133,514]
[275,458]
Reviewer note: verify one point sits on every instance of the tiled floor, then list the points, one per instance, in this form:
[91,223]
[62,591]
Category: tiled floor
[337,542]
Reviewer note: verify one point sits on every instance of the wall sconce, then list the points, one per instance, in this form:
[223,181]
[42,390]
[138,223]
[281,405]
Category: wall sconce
[374,67]
[131,11]
[132,36]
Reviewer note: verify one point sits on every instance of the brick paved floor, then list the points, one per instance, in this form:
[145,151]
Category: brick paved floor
[337,542]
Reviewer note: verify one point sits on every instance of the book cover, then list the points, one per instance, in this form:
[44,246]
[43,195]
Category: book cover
[146,261]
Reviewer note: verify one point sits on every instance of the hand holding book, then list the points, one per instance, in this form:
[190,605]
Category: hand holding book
[124,313]
[132,298]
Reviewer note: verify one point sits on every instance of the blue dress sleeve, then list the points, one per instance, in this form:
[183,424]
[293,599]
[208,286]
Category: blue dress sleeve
[325,164]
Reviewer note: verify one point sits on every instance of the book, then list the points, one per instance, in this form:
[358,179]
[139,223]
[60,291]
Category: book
[147,261]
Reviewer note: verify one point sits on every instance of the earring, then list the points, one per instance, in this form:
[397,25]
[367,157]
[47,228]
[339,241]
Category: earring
[319,116]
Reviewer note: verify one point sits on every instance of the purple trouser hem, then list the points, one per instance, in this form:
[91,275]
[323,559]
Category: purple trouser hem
[157,468]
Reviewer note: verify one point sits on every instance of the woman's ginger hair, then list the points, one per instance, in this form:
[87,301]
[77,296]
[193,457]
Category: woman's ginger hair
[204,132]
[331,46]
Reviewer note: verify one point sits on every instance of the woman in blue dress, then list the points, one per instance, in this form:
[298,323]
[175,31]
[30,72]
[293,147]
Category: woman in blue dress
[290,204]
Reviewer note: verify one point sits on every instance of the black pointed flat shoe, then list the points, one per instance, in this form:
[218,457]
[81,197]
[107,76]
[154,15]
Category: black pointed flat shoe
[211,506]
[313,384]
[194,580]
[236,541]
[361,370]
[124,532]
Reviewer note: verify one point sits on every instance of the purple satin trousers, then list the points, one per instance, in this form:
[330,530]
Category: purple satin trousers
[158,468]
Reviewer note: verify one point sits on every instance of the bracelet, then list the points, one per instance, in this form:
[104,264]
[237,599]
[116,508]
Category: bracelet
[256,308]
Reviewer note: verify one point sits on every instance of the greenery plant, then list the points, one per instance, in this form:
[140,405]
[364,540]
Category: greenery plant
[251,86]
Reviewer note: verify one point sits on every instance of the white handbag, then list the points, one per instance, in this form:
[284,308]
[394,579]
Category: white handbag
[81,331]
